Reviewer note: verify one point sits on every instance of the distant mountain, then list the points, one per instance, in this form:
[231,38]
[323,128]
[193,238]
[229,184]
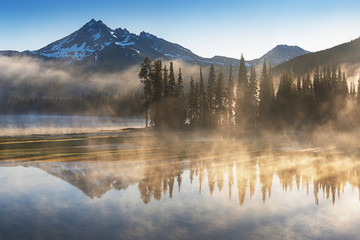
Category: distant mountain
[100,46]
[344,54]
[97,44]
[279,54]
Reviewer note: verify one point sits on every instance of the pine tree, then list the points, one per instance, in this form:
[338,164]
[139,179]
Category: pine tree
[352,91]
[211,93]
[166,102]
[192,103]
[329,85]
[171,99]
[264,95]
[166,82]
[317,82]
[345,89]
[172,82]
[267,96]
[298,86]
[241,89]
[197,105]
[307,86]
[220,97]
[230,97]
[144,75]
[204,105]
[156,110]
[334,80]
[180,102]
[271,85]
[285,97]
[253,98]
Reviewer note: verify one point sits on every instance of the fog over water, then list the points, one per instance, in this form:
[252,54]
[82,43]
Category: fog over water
[16,125]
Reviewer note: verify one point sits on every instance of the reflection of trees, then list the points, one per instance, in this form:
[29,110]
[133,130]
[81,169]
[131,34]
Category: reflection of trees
[163,172]
[331,178]
[266,173]
[241,182]
[230,174]
[158,180]
[329,174]
[295,170]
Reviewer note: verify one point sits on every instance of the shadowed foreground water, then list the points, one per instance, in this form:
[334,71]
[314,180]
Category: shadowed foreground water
[116,187]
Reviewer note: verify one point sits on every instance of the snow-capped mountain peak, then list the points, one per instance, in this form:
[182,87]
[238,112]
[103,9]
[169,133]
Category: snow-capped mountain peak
[115,49]
[93,37]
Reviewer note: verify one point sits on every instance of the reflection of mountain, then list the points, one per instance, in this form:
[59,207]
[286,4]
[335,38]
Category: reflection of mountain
[326,173]
[95,178]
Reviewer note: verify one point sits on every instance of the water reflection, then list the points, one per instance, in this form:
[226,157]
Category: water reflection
[320,174]
[129,187]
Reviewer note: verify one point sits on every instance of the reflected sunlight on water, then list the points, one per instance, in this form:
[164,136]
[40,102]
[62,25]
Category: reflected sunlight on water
[123,187]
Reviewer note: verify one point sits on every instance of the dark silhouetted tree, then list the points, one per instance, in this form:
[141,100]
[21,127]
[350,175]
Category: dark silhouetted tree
[253,103]
[180,102]
[157,115]
[230,97]
[220,98]
[241,89]
[145,77]
[266,96]
[204,104]
[211,93]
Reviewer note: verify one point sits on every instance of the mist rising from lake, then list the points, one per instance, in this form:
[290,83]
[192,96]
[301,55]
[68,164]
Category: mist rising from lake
[18,125]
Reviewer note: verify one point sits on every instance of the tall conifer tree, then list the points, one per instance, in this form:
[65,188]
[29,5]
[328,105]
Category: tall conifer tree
[204,106]
[241,89]
[253,99]
[180,101]
[230,96]
[211,93]
[220,97]
[145,77]
[156,109]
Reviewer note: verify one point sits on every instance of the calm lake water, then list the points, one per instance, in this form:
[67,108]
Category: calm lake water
[134,187]
[14,125]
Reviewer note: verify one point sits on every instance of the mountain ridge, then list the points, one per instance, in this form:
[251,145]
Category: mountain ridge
[100,46]
[345,53]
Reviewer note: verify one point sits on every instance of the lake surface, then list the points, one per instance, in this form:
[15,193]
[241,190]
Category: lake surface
[133,185]
[14,125]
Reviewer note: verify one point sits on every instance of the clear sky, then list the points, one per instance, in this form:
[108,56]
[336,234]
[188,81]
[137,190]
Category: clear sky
[207,28]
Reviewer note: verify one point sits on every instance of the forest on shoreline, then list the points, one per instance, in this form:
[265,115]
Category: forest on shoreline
[304,102]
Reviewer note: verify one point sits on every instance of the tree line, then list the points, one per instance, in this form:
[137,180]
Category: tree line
[248,103]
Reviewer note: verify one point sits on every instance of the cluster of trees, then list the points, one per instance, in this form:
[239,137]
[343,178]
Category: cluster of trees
[165,101]
[247,104]
[206,104]
[307,101]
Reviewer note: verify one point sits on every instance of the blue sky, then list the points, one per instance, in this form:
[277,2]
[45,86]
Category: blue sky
[208,28]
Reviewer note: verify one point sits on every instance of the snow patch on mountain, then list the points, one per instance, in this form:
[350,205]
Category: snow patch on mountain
[75,52]
[125,42]
[112,34]
[97,36]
